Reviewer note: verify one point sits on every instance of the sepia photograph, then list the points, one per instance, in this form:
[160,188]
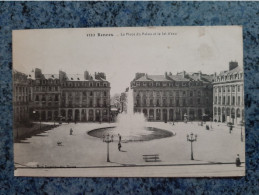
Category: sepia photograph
[129,102]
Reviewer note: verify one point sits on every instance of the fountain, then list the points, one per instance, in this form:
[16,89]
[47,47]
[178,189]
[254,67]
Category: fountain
[131,126]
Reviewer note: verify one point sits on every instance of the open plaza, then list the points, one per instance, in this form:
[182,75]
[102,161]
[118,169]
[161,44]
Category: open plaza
[57,153]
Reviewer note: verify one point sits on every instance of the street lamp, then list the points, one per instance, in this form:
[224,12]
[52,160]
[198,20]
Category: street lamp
[108,139]
[191,139]
[34,116]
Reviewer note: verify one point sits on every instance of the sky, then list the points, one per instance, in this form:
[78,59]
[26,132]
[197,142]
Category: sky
[152,50]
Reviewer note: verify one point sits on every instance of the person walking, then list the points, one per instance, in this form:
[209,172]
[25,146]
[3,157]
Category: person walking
[71,131]
[119,146]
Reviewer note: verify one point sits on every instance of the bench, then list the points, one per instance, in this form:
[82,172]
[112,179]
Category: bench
[59,143]
[151,158]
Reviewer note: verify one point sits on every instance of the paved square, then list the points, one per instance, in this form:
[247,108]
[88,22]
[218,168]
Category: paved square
[80,150]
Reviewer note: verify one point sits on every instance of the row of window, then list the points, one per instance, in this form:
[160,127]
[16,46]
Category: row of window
[84,104]
[227,100]
[235,76]
[46,81]
[171,93]
[229,88]
[85,93]
[21,89]
[84,84]
[177,102]
[44,98]
[166,84]
[45,88]
[228,111]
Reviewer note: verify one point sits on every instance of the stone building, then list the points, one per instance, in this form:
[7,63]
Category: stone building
[45,96]
[228,87]
[184,96]
[20,97]
[70,97]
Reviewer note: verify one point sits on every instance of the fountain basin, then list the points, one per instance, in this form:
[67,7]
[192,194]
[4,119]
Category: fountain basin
[145,134]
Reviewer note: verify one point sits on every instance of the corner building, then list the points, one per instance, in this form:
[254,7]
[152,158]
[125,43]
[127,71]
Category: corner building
[74,97]
[173,97]
[228,87]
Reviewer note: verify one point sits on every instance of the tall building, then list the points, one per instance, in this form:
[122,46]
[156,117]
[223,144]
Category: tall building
[20,97]
[228,94]
[184,96]
[72,97]
[45,96]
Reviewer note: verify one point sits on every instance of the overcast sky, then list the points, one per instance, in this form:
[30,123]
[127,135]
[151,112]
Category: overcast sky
[174,49]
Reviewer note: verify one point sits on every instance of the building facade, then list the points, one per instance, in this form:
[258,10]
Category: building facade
[228,102]
[20,97]
[70,97]
[173,97]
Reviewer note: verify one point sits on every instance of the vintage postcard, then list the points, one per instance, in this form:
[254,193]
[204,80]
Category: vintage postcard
[129,102]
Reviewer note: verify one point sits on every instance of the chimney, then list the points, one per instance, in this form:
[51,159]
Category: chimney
[139,75]
[232,65]
[38,73]
[199,75]
[165,74]
[86,75]
[62,75]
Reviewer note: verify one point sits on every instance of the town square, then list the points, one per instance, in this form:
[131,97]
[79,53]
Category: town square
[97,114]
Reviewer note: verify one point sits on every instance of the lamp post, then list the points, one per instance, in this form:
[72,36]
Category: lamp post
[108,139]
[191,138]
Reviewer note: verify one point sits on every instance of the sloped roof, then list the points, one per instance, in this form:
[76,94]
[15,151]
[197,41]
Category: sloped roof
[235,70]
[178,78]
[80,77]
[157,77]
[51,76]
[143,78]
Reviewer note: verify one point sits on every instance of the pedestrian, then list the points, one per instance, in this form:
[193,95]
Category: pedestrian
[238,163]
[71,131]
[119,138]
[119,146]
